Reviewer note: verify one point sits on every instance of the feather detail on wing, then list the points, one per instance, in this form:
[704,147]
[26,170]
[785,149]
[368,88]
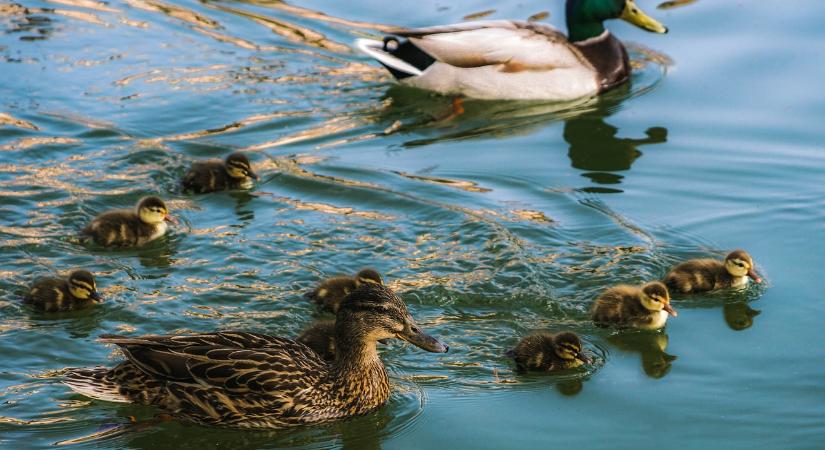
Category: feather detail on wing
[237,362]
[518,45]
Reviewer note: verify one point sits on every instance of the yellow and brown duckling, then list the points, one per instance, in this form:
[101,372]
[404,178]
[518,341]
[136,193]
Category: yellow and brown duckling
[131,228]
[329,294]
[320,337]
[235,172]
[645,307]
[702,275]
[547,352]
[53,294]
[251,380]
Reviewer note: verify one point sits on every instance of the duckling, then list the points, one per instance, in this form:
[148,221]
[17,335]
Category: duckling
[645,307]
[702,275]
[320,337]
[130,228]
[235,172]
[251,380]
[329,294]
[546,352]
[52,294]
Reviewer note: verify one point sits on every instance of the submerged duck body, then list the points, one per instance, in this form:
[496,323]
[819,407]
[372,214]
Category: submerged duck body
[77,291]
[702,275]
[547,352]
[329,294]
[235,172]
[645,307]
[250,380]
[515,60]
[131,228]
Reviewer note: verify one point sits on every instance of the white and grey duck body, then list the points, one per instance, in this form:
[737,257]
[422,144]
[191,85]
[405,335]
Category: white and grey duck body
[515,60]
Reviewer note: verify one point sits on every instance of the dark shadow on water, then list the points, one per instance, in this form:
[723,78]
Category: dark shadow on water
[738,315]
[595,147]
[242,199]
[651,347]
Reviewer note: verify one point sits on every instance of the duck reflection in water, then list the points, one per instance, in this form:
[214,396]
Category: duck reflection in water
[595,148]
[651,346]
[739,316]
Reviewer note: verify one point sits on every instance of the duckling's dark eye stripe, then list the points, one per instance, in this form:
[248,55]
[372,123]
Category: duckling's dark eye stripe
[83,284]
[369,307]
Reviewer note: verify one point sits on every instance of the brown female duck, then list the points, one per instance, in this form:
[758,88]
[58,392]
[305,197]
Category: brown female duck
[53,294]
[329,294]
[250,380]
[546,352]
[702,275]
[131,228]
[645,307]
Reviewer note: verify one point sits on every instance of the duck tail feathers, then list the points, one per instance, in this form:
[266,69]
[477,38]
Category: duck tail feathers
[379,50]
[93,383]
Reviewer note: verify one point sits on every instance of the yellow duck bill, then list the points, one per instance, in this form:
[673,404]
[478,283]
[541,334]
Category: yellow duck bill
[632,14]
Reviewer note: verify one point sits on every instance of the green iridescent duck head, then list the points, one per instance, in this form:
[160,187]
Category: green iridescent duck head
[585,18]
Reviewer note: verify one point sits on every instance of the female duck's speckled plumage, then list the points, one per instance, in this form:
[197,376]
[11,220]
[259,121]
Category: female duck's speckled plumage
[130,228]
[77,291]
[331,292]
[250,380]
[235,172]
[547,352]
[645,307]
[513,59]
[702,275]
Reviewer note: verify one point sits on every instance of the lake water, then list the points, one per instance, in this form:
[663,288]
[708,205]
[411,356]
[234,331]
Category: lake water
[505,220]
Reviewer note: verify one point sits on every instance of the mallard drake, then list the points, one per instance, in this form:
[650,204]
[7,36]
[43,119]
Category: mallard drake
[235,172]
[645,307]
[702,275]
[130,228]
[52,294]
[547,352]
[320,337]
[515,60]
[251,380]
[330,292]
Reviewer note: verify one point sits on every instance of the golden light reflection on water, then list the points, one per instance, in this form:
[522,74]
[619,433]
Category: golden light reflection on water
[88,4]
[29,142]
[674,4]
[178,12]
[9,120]
[288,30]
[469,186]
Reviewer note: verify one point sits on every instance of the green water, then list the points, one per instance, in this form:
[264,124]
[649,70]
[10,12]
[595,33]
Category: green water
[508,219]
